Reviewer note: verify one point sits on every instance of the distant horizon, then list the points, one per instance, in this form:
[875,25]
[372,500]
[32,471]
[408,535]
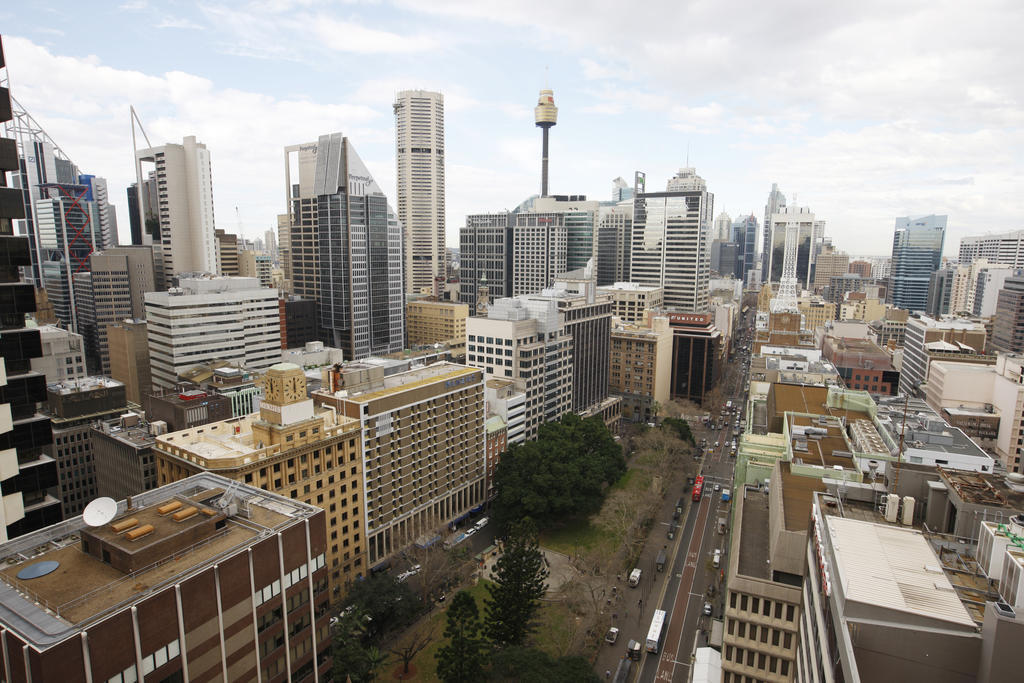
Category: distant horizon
[857,126]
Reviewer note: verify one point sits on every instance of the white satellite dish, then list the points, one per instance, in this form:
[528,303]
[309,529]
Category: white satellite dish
[100,511]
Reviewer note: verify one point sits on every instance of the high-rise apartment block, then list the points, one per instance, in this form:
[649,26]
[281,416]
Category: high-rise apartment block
[423,452]
[28,477]
[362,304]
[214,318]
[671,248]
[1004,247]
[916,254]
[294,449]
[199,580]
[184,212]
[419,147]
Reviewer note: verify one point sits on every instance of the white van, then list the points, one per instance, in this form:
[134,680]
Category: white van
[481,524]
[634,578]
[717,561]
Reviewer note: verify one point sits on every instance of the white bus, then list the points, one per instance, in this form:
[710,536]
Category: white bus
[654,635]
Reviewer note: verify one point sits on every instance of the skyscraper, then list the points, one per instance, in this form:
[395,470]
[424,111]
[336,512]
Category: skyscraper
[723,228]
[419,147]
[776,202]
[744,233]
[28,480]
[809,232]
[916,254]
[614,237]
[360,242]
[1003,247]
[298,236]
[184,184]
[671,248]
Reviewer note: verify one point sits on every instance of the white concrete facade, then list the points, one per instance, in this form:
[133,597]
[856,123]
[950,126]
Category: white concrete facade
[185,210]
[217,318]
[419,156]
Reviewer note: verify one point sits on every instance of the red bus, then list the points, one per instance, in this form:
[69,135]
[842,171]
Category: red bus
[698,488]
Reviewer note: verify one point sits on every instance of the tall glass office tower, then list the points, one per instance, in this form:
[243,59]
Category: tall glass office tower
[916,254]
[362,306]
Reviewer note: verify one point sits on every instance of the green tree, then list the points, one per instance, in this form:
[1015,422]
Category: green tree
[352,658]
[462,659]
[388,604]
[680,426]
[518,585]
[563,473]
[530,665]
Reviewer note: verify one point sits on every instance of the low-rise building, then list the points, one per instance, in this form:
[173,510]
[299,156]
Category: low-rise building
[202,579]
[632,301]
[928,439]
[433,322]
[63,355]
[862,364]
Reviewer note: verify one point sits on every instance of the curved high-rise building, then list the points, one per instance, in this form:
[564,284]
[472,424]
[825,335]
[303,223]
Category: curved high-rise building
[419,156]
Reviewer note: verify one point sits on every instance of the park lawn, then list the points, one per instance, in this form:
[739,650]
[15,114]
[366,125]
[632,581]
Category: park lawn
[551,633]
[625,480]
[575,533]
[425,662]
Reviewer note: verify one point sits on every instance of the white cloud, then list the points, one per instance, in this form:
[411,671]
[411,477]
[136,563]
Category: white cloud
[245,131]
[179,22]
[346,36]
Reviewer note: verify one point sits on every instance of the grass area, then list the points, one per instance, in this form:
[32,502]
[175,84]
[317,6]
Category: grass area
[552,635]
[574,534]
[425,662]
[625,480]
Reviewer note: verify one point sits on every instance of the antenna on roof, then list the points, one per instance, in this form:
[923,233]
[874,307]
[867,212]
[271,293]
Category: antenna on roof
[100,511]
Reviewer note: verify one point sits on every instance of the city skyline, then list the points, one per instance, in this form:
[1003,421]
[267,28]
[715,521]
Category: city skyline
[826,116]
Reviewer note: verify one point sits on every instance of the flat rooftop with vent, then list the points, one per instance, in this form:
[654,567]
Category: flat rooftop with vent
[151,542]
[927,438]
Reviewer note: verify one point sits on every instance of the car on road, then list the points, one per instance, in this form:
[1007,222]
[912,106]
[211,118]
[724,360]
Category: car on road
[611,636]
[717,444]
[718,487]
[707,609]
[413,571]
[470,531]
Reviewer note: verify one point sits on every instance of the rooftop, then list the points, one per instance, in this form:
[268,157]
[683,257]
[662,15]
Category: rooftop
[985,489]
[752,559]
[893,568]
[924,429]
[135,433]
[74,386]
[799,398]
[84,589]
[411,379]
[629,287]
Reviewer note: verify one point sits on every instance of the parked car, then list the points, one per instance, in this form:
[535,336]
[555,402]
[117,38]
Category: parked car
[611,636]
[707,609]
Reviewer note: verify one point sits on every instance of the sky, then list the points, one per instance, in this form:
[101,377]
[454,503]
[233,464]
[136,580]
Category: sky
[862,111]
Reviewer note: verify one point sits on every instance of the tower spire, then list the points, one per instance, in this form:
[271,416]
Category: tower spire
[545,115]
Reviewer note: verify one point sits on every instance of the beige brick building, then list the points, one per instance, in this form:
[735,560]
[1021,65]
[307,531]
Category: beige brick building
[292,449]
[432,322]
[423,449]
[640,368]
[129,358]
[631,301]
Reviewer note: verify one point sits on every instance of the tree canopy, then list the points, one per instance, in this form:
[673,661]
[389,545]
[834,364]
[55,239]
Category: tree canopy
[388,604]
[518,585]
[462,659]
[680,426]
[563,473]
[529,665]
